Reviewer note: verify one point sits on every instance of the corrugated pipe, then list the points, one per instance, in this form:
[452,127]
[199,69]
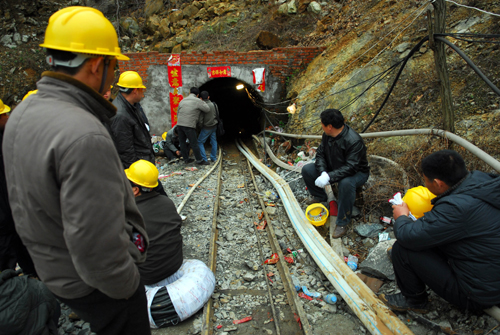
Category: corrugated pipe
[495,164]
[376,317]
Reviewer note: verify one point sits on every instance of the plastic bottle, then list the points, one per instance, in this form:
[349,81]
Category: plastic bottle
[296,283]
[330,299]
[352,262]
[311,294]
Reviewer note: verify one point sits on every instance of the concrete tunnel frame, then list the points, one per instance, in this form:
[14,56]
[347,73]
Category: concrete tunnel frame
[279,63]
[156,102]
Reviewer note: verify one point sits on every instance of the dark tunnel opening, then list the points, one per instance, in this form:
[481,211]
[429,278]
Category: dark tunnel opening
[241,117]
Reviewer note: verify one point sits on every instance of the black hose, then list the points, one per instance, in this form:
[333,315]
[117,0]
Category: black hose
[469,61]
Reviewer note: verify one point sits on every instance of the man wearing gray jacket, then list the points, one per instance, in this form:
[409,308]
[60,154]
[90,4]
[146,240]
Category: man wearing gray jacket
[71,201]
[208,123]
[188,114]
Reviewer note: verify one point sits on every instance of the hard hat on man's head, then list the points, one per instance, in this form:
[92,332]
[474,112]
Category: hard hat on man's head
[143,173]
[82,30]
[4,108]
[418,200]
[130,79]
[30,93]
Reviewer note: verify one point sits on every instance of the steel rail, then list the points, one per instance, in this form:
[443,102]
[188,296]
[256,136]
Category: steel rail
[293,299]
[208,309]
[363,310]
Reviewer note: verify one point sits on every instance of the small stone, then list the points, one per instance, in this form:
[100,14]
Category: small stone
[248,277]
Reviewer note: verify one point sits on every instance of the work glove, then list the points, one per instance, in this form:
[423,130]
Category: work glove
[322,180]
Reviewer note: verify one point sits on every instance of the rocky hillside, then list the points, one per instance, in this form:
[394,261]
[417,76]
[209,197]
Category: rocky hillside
[364,39]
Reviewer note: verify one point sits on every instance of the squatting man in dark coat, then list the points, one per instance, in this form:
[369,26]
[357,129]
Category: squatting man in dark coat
[171,297]
[453,249]
[340,158]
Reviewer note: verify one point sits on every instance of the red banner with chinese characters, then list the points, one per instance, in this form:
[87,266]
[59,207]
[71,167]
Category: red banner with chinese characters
[219,71]
[174,71]
[175,99]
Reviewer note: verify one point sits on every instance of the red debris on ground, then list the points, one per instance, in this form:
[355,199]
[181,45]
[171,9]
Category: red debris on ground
[248,318]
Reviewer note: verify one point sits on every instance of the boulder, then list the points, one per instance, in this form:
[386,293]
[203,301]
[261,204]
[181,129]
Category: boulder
[165,46]
[190,11]
[377,263]
[106,6]
[177,49]
[176,16]
[201,14]
[267,40]
[291,7]
[303,4]
[314,7]
[152,25]
[130,26]
[164,29]
[153,7]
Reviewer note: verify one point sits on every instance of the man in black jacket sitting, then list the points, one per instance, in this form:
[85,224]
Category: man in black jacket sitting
[452,248]
[340,158]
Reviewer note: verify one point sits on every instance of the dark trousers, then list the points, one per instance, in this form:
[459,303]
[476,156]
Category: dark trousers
[189,133]
[109,316]
[346,187]
[416,269]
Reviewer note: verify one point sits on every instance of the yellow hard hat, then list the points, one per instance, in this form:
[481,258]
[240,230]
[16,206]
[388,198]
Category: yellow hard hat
[30,93]
[317,214]
[143,173]
[4,108]
[164,136]
[82,30]
[418,200]
[130,79]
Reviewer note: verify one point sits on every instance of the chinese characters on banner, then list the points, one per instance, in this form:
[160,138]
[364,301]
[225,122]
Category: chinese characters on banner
[175,99]
[219,71]
[175,81]
[259,78]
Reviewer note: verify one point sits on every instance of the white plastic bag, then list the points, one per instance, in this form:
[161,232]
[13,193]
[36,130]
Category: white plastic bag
[189,289]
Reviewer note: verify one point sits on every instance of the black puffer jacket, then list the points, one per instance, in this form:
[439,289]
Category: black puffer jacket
[465,225]
[27,305]
[131,136]
[342,156]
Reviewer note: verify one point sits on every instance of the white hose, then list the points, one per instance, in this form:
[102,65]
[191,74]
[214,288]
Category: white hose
[376,317]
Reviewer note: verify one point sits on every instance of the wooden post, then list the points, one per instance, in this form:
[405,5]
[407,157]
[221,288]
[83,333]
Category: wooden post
[441,66]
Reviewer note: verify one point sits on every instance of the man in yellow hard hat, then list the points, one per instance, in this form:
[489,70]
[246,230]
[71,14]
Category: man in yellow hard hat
[130,125]
[71,201]
[165,264]
[451,249]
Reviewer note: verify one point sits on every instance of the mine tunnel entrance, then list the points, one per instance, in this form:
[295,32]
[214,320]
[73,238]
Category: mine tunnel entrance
[241,117]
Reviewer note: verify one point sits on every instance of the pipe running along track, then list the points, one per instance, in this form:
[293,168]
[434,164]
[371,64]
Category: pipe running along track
[375,315]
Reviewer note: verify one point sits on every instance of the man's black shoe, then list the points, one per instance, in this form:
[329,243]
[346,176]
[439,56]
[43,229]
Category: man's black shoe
[190,160]
[398,302]
[202,163]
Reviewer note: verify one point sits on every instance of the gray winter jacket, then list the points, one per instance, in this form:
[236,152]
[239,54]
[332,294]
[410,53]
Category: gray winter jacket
[72,203]
[208,120]
[172,140]
[189,111]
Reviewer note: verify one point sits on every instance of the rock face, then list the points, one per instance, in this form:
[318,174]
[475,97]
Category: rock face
[153,7]
[267,40]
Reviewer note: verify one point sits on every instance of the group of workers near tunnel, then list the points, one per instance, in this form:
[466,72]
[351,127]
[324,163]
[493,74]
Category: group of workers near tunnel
[94,226]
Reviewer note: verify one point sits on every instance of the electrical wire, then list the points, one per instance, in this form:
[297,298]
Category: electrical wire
[412,51]
[424,6]
[470,7]
[458,36]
